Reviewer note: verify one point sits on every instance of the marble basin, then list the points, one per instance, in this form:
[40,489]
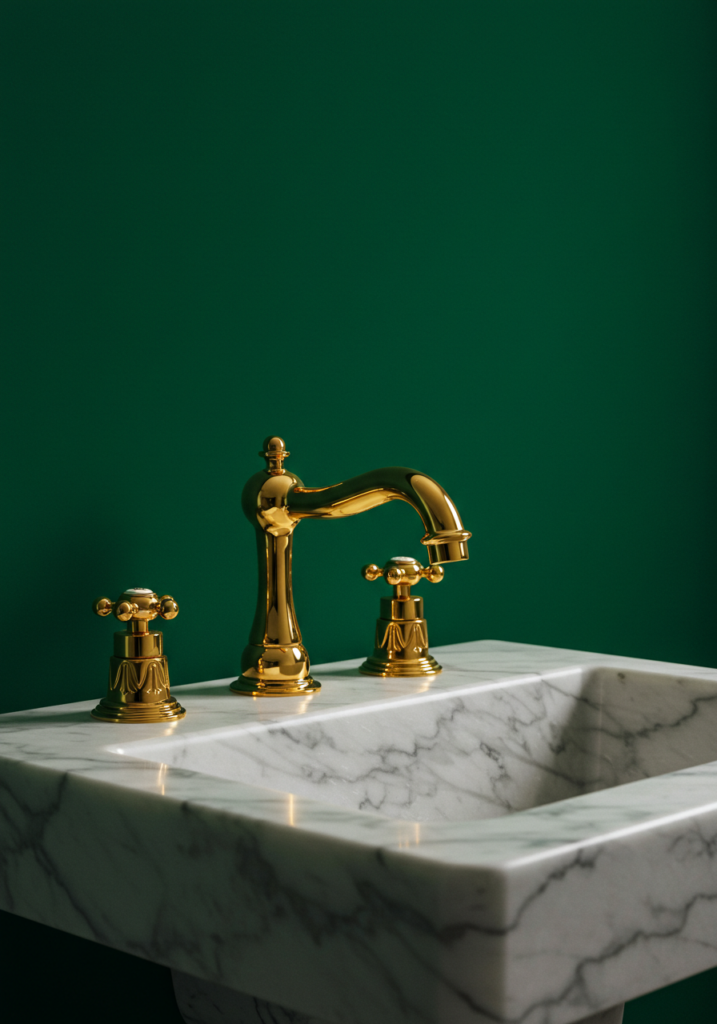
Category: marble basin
[476,752]
[528,837]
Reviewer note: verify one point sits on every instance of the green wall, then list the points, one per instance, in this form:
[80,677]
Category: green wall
[477,238]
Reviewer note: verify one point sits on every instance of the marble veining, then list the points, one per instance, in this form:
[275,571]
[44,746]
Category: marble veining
[528,838]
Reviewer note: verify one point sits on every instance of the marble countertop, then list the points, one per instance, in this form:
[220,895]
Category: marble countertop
[541,916]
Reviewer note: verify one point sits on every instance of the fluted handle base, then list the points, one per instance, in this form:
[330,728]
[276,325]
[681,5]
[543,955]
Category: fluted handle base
[138,691]
[401,646]
[382,666]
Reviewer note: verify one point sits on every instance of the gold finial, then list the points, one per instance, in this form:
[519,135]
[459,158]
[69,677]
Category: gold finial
[138,689]
[274,451]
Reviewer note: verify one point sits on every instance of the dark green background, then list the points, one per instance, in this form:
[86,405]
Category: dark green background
[477,238]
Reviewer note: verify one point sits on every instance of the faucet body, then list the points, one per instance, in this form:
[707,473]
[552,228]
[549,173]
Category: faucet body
[275,662]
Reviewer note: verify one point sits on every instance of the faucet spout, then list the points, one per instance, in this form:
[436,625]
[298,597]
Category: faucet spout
[275,662]
[445,537]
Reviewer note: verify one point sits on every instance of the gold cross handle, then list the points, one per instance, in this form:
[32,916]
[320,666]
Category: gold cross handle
[137,605]
[404,573]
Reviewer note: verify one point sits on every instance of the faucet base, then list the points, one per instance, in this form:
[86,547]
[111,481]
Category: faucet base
[274,670]
[290,688]
[374,666]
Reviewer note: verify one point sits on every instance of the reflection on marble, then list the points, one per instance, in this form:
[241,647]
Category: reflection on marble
[531,840]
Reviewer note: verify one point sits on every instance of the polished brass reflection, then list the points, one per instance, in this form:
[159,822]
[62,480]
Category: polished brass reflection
[275,662]
[401,644]
[138,687]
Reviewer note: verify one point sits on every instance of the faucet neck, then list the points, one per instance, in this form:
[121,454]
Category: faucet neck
[275,619]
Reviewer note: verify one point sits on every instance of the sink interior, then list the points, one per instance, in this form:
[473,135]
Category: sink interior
[479,753]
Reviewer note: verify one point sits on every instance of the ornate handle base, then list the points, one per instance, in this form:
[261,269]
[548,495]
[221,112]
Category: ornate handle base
[401,649]
[393,669]
[138,691]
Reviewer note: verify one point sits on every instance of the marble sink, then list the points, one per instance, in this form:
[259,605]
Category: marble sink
[530,837]
[469,752]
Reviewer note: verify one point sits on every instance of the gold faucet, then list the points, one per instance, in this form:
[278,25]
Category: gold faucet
[275,663]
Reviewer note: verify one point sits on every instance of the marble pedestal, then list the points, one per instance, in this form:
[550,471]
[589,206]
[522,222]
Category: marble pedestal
[202,1002]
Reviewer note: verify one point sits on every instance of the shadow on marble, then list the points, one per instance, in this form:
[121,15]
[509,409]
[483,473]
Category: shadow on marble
[203,1002]
[60,717]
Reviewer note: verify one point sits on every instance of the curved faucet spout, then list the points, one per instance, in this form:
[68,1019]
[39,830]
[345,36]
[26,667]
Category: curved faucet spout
[275,662]
[445,537]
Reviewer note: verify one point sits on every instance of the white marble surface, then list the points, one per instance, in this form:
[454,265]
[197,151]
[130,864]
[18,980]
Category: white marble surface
[374,853]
